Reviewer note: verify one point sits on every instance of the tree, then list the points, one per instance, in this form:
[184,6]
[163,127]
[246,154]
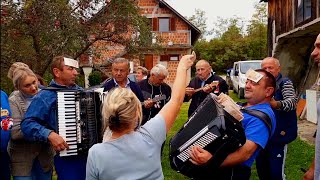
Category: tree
[35,31]
[232,43]
[257,32]
[200,21]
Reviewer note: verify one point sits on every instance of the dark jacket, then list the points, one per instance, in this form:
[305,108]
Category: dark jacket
[286,128]
[151,91]
[199,96]
[133,86]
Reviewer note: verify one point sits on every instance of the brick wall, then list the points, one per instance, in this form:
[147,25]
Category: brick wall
[181,36]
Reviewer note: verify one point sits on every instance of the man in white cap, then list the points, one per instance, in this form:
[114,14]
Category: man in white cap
[40,122]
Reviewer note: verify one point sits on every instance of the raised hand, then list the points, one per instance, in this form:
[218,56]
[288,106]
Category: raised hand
[187,61]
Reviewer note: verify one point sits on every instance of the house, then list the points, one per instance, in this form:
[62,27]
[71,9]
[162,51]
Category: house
[293,26]
[177,33]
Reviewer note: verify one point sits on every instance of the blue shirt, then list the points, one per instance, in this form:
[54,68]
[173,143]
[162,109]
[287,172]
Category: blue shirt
[41,118]
[256,130]
[5,112]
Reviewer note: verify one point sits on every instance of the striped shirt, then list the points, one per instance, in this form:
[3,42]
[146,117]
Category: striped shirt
[289,101]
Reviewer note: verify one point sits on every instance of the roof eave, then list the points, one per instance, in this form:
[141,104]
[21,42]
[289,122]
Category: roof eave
[197,31]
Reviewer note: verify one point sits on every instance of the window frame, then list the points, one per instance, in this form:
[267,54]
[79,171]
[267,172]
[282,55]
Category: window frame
[160,26]
[304,19]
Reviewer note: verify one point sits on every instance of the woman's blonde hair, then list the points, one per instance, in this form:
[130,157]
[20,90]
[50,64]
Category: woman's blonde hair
[18,72]
[120,108]
[14,66]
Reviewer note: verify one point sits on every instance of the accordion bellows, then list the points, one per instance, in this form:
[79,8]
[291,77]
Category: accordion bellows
[211,128]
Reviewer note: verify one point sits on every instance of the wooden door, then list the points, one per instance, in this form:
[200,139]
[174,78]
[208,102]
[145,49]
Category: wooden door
[148,61]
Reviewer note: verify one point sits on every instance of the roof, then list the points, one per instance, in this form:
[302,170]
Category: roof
[195,32]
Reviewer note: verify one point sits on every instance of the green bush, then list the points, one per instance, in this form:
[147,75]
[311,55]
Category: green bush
[95,78]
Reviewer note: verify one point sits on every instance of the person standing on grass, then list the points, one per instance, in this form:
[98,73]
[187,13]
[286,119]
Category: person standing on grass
[40,123]
[314,170]
[131,151]
[271,161]
[29,160]
[153,87]
[120,70]
[204,77]
[237,165]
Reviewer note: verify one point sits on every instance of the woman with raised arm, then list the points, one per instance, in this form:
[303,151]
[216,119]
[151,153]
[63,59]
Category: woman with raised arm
[131,151]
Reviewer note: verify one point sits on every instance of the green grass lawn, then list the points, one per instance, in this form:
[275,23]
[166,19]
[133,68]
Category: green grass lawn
[300,153]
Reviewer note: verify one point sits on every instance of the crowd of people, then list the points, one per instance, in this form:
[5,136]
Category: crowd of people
[136,117]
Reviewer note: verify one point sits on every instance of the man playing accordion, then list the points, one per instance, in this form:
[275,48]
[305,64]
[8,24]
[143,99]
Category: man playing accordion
[237,165]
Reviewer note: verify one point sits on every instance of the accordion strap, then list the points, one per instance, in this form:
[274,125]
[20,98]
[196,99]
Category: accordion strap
[262,116]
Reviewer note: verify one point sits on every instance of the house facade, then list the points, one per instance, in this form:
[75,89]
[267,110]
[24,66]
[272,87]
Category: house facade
[293,26]
[177,35]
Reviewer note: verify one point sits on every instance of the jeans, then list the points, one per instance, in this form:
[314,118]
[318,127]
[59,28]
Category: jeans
[36,173]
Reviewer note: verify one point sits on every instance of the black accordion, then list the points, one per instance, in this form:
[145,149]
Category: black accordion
[211,128]
[79,120]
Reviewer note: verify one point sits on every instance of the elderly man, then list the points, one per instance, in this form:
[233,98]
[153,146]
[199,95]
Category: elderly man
[155,91]
[314,171]
[120,70]
[203,80]
[271,161]
[40,122]
[237,165]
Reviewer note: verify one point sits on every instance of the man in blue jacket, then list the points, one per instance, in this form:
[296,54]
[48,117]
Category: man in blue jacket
[4,138]
[271,161]
[40,122]
[120,70]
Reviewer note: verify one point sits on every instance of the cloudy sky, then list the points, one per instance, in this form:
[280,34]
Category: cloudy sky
[215,8]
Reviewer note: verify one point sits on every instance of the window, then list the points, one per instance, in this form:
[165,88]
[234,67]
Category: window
[170,57]
[164,24]
[303,10]
[174,57]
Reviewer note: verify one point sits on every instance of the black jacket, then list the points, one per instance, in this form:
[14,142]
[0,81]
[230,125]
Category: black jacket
[199,96]
[151,91]
[133,86]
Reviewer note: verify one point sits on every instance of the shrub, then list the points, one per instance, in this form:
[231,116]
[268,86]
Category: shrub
[95,78]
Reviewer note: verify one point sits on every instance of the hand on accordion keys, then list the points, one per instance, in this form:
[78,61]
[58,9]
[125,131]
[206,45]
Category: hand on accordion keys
[57,142]
[199,156]
[230,106]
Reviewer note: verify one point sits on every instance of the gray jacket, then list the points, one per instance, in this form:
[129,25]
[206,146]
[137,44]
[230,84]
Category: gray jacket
[23,152]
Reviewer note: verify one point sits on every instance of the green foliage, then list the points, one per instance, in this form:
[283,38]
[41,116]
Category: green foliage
[95,78]
[200,21]
[34,32]
[231,43]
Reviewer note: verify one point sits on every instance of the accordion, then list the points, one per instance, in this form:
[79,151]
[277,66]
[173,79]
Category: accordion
[211,128]
[79,120]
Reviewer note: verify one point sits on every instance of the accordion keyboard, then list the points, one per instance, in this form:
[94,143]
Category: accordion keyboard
[206,139]
[68,120]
